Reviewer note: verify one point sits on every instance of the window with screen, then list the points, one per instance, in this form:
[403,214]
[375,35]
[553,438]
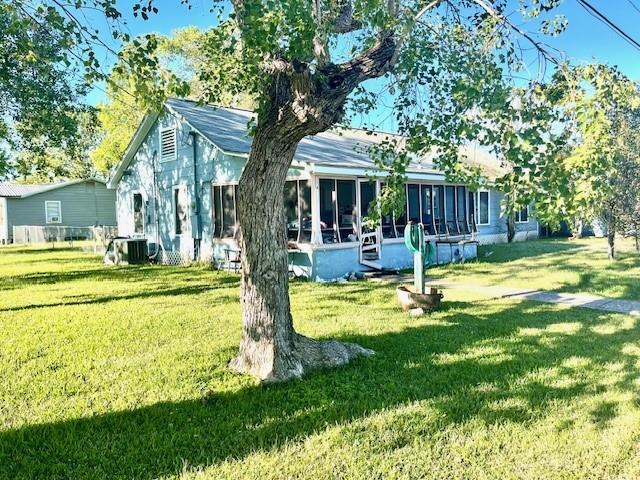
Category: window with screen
[138,213]
[347,211]
[522,216]
[180,210]
[328,211]
[483,208]
[53,211]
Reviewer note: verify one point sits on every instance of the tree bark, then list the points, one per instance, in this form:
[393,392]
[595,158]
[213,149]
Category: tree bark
[611,239]
[511,228]
[270,348]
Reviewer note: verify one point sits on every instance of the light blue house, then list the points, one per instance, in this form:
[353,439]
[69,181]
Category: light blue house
[177,183]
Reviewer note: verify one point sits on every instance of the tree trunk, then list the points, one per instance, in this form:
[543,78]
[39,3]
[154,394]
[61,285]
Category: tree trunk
[611,238]
[511,228]
[270,347]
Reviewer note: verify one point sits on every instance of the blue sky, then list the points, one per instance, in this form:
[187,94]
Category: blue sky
[585,39]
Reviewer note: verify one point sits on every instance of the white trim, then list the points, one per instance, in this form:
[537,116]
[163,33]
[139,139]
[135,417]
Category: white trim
[488,192]
[46,212]
[174,155]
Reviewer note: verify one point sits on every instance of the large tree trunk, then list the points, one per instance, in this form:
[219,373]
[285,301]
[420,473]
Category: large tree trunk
[270,347]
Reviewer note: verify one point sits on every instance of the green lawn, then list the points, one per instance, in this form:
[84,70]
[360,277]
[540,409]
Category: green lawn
[575,266]
[120,372]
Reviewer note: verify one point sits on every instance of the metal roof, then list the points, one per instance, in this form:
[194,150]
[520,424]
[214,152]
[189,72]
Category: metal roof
[227,129]
[16,190]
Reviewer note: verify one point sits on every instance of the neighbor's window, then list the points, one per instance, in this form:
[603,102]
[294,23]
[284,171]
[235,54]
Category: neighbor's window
[180,209]
[138,213]
[482,215]
[225,217]
[168,144]
[53,211]
[522,216]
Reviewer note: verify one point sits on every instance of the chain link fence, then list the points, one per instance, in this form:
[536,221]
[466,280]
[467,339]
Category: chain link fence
[94,238]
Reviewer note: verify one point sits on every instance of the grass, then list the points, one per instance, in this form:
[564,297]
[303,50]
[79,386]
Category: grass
[120,373]
[574,266]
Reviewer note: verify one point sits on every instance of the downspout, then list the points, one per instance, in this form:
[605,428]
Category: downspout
[198,236]
[156,200]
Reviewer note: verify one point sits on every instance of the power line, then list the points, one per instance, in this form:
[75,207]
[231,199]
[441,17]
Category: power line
[635,7]
[603,18]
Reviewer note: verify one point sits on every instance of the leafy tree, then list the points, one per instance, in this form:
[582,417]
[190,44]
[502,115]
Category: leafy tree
[40,79]
[620,208]
[448,68]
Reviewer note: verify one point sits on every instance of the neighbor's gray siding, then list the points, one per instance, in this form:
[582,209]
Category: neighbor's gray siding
[82,204]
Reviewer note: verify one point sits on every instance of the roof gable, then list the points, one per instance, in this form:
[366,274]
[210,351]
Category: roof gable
[16,190]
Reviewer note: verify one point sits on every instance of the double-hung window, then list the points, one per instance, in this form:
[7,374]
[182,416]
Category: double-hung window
[53,211]
[482,208]
[138,213]
[522,215]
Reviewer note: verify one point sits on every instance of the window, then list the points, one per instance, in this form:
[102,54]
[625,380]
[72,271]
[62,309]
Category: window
[413,202]
[427,212]
[168,144]
[450,210]
[224,211]
[180,210]
[138,213]
[297,207]
[461,203]
[522,216]
[482,215]
[438,214]
[328,211]
[471,212]
[347,211]
[53,211]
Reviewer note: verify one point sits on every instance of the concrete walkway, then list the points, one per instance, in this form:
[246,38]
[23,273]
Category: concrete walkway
[630,307]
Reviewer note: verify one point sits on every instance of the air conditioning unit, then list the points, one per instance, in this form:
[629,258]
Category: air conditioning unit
[127,251]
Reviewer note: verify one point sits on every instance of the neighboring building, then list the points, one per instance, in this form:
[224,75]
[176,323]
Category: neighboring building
[177,183]
[75,203]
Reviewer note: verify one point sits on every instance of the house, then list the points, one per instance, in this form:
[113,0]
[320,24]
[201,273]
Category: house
[177,183]
[74,203]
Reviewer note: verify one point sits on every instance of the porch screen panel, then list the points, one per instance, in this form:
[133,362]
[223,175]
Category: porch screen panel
[427,210]
[304,189]
[228,211]
[400,218]
[471,211]
[438,210]
[138,214]
[413,202]
[347,211]
[328,211]
[291,210]
[450,210]
[461,202]
[217,211]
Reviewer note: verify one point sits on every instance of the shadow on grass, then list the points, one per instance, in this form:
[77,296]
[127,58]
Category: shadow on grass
[436,362]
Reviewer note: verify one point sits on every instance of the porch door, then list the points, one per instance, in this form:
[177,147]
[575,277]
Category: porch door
[370,240]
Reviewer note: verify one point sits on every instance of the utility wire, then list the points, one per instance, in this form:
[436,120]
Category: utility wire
[603,18]
[635,7]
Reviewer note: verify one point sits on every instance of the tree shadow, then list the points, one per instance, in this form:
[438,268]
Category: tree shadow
[465,365]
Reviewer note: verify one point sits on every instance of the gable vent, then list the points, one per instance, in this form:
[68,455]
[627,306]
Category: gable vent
[168,147]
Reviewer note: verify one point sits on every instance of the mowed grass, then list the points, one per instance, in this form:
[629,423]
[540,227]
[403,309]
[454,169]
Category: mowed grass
[119,372]
[574,266]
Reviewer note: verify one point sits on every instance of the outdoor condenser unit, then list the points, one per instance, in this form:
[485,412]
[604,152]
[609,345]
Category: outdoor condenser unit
[130,250]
